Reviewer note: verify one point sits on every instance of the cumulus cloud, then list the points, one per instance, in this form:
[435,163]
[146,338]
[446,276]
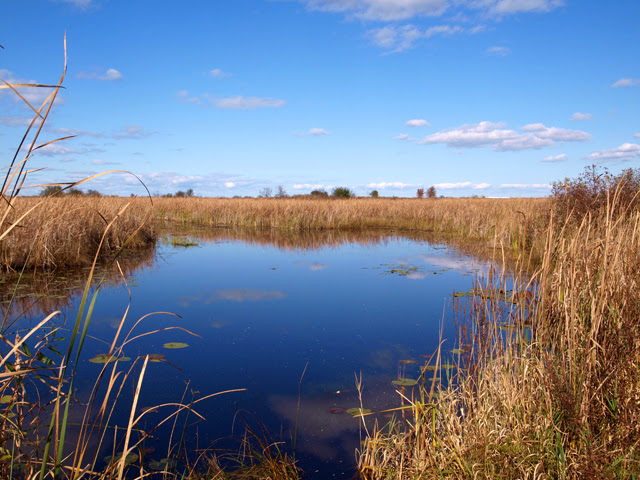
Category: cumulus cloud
[13,121]
[56,149]
[383,185]
[403,137]
[307,186]
[578,116]
[229,184]
[636,135]
[418,122]
[314,132]
[396,38]
[532,136]
[498,51]
[556,158]
[626,82]
[624,153]
[79,3]
[218,73]
[111,74]
[510,7]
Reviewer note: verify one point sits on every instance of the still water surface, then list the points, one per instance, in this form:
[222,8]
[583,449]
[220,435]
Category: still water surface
[265,311]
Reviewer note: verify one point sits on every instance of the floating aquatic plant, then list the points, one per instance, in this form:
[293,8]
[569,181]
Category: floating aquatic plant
[156,357]
[175,345]
[129,459]
[358,411]
[407,362]
[106,358]
[405,382]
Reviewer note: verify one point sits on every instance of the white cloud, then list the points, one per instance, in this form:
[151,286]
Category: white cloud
[398,38]
[79,3]
[485,133]
[34,95]
[132,132]
[624,153]
[307,186]
[183,97]
[626,82]
[110,75]
[460,185]
[498,51]
[55,149]
[636,135]
[314,132]
[556,158]
[525,185]
[385,10]
[510,7]
[397,10]
[578,116]
[383,185]
[229,184]
[418,122]
[247,295]
[240,102]
[218,73]
[403,137]
[13,121]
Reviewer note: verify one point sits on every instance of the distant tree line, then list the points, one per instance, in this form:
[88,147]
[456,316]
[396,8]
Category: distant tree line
[58,190]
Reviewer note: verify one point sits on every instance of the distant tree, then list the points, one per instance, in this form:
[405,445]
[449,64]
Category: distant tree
[342,192]
[266,192]
[281,192]
[50,190]
[431,192]
[189,192]
[94,193]
[180,194]
[319,193]
[374,194]
[76,192]
[420,193]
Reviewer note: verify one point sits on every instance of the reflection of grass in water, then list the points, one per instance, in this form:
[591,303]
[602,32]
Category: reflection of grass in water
[180,241]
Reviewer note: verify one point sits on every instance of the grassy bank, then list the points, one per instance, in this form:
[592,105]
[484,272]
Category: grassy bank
[549,381]
[65,231]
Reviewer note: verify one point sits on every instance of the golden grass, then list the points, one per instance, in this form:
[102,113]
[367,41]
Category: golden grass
[66,231]
[557,395]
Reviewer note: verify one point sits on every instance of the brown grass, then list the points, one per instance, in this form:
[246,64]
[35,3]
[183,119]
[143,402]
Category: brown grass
[556,394]
[66,231]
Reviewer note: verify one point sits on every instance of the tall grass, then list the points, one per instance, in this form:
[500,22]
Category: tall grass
[549,384]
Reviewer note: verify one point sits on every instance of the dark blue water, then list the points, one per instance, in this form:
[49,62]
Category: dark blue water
[261,315]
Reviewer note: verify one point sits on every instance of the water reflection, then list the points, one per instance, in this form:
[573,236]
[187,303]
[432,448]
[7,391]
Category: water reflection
[267,305]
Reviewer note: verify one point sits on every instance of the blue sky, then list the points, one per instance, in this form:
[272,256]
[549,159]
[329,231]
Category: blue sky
[475,97]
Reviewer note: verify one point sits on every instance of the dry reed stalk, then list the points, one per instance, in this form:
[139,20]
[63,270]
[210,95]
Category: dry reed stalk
[557,394]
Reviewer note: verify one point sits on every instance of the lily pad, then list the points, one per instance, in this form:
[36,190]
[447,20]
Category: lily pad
[405,382]
[163,464]
[358,411]
[6,399]
[105,358]
[337,410]
[156,357]
[175,345]
[132,457]
[407,362]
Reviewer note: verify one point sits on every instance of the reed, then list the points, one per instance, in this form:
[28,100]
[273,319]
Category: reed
[548,383]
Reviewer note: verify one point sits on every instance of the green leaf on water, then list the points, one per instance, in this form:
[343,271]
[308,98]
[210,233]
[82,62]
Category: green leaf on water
[129,459]
[6,399]
[405,382]
[105,358]
[174,345]
[358,411]
[457,351]
[156,357]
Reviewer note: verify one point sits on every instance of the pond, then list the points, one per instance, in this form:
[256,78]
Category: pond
[293,320]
